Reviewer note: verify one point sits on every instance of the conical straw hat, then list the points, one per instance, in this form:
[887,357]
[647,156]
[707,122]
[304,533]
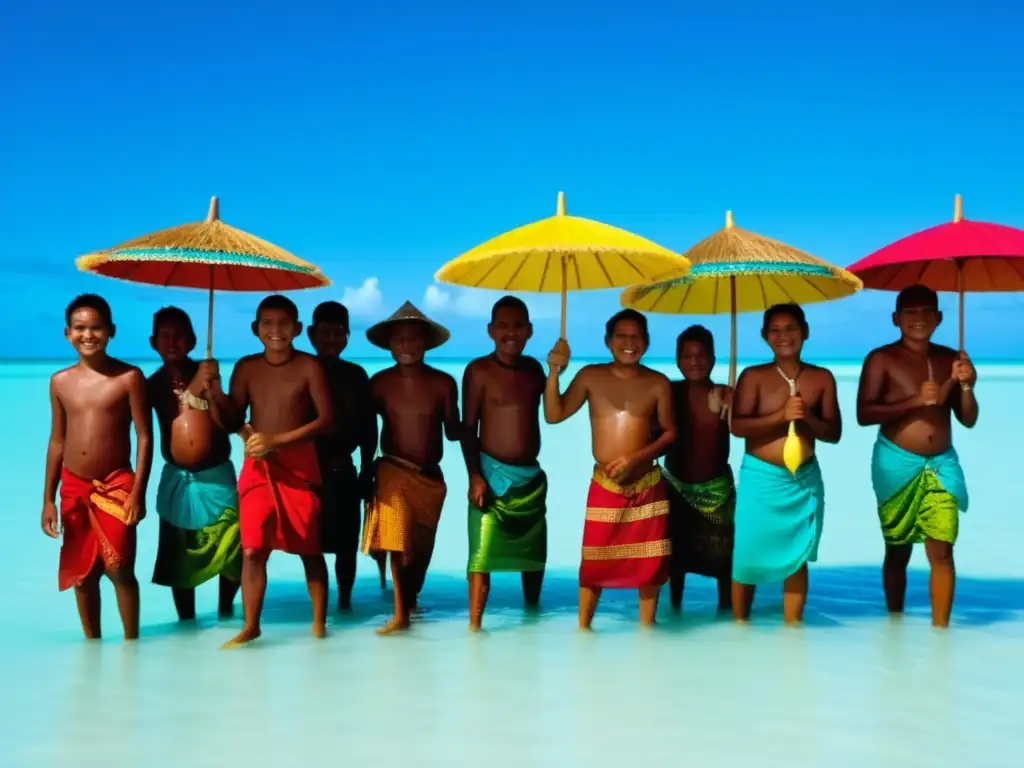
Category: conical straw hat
[380,334]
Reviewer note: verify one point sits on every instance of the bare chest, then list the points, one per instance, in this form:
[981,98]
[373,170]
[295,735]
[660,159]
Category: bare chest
[103,396]
[775,390]
[511,389]
[278,391]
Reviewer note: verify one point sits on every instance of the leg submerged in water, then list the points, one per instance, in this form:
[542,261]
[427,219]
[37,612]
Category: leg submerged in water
[400,621]
[894,576]
[479,589]
[87,597]
[126,587]
[226,597]
[589,598]
[649,594]
[742,601]
[184,603]
[794,596]
[942,580]
[317,585]
[254,589]
[533,582]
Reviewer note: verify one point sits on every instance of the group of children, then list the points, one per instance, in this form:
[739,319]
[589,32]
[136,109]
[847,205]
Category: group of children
[303,417]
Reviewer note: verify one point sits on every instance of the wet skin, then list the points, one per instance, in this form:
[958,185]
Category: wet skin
[763,409]
[419,409]
[355,427]
[628,404]
[280,388]
[192,439]
[910,388]
[501,417]
[93,406]
[701,450]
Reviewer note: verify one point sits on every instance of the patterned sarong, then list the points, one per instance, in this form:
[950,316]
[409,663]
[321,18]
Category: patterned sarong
[918,496]
[779,520]
[199,531]
[92,523]
[625,536]
[405,512]
[279,503]
[510,533]
[702,526]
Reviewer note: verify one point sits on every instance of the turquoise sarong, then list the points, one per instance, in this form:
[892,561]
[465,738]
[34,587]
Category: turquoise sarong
[918,496]
[510,532]
[779,520]
[199,534]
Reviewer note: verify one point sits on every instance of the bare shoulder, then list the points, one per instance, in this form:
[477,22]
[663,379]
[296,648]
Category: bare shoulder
[444,381]
[245,364]
[308,363]
[533,365]
[882,354]
[130,374]
[63,378]
[476,367]
[655,377]
[755,374]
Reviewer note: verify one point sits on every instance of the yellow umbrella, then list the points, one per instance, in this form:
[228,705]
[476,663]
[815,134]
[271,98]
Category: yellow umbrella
[735,270]
[559,254]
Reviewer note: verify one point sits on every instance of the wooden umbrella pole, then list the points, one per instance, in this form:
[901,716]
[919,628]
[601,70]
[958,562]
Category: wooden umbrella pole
[209,321]
[960,291]
[212,215]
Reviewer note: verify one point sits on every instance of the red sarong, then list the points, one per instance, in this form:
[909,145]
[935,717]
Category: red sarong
[625,536]
[92,525]
[279,503]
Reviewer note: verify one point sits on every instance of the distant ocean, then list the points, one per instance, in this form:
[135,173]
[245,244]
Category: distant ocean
[851,687]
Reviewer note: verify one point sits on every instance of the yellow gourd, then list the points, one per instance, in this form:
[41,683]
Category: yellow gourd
[793,449]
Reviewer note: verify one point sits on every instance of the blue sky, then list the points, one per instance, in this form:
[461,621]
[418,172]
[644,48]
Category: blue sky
[379,140]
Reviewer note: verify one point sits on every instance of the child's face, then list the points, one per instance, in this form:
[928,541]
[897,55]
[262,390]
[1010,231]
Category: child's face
[277,330]
[329,339]
[408,343]
[172,342]
[695,361]
[88,333]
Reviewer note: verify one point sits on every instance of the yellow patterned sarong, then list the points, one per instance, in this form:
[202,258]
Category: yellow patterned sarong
[405,511]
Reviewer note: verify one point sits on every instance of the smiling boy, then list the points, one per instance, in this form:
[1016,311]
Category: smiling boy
[289,403]
[779,514]
[500,442]
[93,406]
[625,537]
[918,482]
[701,488]
[419,408]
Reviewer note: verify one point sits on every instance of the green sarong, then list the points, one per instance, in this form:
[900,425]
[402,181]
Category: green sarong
[701,524]
[187,557]
[510,533]
[919,497]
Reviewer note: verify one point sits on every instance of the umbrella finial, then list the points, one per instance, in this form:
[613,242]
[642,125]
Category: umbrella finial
[728,220]
[214,213]
[958,208]
[561,204]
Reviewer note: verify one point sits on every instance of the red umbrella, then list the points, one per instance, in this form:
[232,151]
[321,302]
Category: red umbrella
[961,255]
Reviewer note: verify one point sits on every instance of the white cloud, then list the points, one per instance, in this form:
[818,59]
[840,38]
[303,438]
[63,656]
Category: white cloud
[435,299]
[364,300]
[477,303]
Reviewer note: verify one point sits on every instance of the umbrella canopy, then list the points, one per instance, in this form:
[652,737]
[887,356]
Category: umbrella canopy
[209,254]
[559,254]
[961,255]
[735,270]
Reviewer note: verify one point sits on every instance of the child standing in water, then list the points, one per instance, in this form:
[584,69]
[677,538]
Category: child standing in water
[93,406]
[285,392]
[702,493]
[355,427]
[197,499]
[419,406]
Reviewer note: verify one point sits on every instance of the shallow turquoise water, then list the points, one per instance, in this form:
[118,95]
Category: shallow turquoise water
[850,688]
